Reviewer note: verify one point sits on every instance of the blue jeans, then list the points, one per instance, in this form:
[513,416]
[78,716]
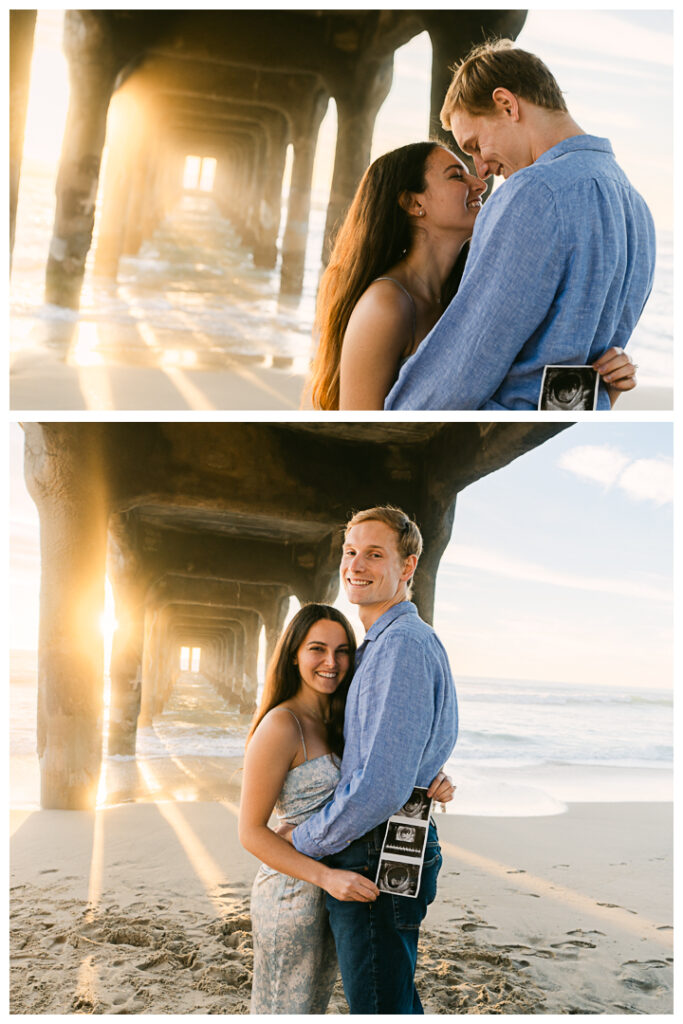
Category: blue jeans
[377,942]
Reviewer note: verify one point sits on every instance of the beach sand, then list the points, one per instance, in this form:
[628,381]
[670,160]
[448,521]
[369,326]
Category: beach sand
[42,380]
[144,908]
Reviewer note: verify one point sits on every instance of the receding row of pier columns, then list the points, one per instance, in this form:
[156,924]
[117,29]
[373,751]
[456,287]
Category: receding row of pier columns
[239,86]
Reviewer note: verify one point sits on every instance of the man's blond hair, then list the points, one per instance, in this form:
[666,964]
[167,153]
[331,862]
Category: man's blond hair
[408,536]
[499,64]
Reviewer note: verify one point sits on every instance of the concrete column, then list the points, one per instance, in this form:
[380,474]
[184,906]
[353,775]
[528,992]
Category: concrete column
[129,583]
[64,478]
[116,186]
[248,698]
[253,190]
[299,201]
[150,665]
[436,531]
[357,108]
[21,31]
[137,183]
[126,683]
[92,72]
[265,249]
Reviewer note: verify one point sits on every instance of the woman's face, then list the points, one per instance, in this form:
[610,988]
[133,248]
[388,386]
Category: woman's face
[452,198]
[324,657]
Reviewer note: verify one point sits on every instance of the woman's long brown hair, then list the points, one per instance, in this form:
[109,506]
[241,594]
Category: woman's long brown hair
[283,679]
[374,235]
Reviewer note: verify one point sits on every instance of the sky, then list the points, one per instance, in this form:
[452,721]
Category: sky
[559,568]
[615,68]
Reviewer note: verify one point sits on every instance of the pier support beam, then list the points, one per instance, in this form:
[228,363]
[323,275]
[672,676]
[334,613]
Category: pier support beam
[65,479]
[21,31]
[299,202]
[358,103]
[92,73]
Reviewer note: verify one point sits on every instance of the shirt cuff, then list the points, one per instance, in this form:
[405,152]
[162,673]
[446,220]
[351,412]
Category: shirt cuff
[304,844]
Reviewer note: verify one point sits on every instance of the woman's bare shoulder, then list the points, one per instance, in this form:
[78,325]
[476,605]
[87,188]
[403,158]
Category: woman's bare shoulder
[278,727]
[384,313]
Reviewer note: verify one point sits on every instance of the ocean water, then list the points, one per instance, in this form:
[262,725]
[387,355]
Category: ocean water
[528,747]
[194,293]
[524,748]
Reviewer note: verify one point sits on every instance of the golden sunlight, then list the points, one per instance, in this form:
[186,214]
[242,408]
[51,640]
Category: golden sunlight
[49,92]
[108,622]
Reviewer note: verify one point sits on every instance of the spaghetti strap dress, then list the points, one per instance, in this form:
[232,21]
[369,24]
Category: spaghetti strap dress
[295,962]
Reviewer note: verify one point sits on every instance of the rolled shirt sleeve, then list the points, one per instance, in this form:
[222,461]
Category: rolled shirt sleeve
[514,271]
[396,709]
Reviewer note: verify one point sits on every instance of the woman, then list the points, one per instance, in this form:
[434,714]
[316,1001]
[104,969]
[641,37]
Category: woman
[395,266]
[292,763]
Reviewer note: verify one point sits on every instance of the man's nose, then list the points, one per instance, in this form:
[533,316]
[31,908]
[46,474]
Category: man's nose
[481,167]
[356,562]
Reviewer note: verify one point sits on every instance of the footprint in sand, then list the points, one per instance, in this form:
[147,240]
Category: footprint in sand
[615,906]
[645,963]
[580,931]
[48,871]
[573,942]
[516,871]
[470,926]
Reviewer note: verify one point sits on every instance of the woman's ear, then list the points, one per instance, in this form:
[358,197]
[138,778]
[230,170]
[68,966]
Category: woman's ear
[409,202]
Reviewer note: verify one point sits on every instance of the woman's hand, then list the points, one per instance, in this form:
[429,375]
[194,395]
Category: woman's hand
[349,886]
[441,788]
[618,371]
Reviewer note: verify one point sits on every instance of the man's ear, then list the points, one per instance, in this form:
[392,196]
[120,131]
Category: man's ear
[409,202]
[506,102]
[409,567]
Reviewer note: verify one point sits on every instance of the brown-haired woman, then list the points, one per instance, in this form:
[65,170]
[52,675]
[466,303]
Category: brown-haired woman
[395,266]
[292,764]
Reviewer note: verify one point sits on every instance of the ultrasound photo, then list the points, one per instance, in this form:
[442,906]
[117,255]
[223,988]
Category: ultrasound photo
[398,878]
[569,388]
[417,805]
[408,840]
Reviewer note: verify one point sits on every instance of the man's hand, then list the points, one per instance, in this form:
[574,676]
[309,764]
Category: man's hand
[441,788]
[284,830]
[617,370]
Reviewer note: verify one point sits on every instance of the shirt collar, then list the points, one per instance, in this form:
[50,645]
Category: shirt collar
[573,143]
[389,616]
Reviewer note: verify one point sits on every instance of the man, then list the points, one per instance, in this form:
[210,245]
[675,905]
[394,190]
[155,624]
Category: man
[400,727]
[562,255]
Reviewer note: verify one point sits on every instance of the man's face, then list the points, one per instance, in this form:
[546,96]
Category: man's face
[372,570]
[497,143]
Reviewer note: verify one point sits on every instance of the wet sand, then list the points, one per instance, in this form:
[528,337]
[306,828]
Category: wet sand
[42,379]
[144,908]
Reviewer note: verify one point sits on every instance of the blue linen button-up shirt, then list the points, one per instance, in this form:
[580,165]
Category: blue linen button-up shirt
[400,726]
[560,266]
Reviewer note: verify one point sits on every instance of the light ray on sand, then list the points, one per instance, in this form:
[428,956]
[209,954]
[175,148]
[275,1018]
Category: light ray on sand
[193,396]
[616,916]
[87,975]
[205,867]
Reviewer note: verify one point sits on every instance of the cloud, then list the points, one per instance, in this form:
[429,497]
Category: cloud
[468,556]
[600,463]
[649,480]
[640,479]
